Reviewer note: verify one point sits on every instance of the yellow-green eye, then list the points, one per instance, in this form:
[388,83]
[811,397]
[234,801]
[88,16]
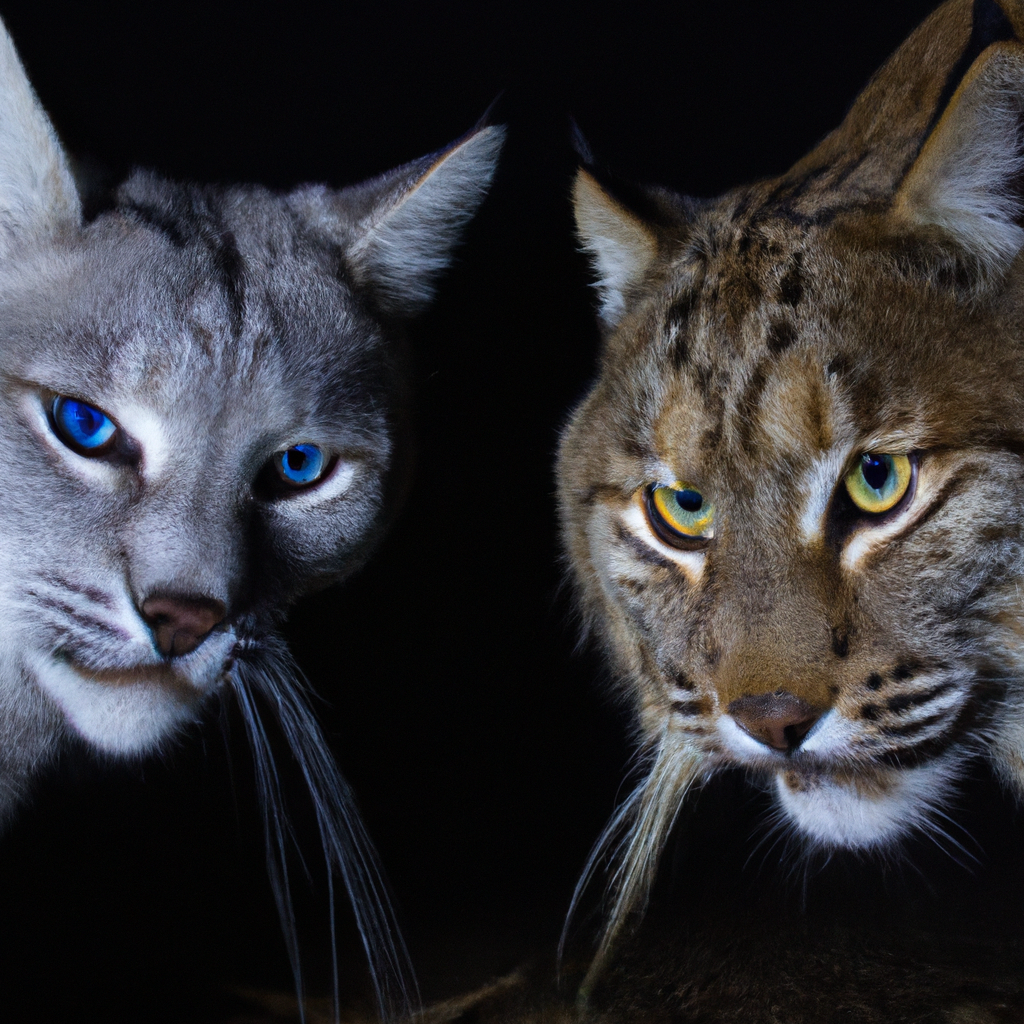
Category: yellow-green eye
[680,513]
[878,482]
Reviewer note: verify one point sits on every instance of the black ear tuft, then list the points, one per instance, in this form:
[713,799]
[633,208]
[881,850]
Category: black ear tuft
[989,25]
[659,207]
[580,145]
[496,114]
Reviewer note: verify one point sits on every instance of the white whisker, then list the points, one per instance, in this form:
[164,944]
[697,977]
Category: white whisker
[267,671]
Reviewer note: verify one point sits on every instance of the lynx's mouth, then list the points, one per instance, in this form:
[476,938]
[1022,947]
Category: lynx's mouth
[835,794]
[868,809]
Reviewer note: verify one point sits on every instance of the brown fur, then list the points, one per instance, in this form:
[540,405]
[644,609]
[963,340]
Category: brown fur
[869,300]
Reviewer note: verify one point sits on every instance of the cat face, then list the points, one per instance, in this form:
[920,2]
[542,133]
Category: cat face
[792,500]
[201,392]
[212,356]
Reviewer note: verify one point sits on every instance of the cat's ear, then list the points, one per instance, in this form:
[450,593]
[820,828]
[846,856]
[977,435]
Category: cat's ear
[966,181]
[622,246]
[38,197]
[409,220]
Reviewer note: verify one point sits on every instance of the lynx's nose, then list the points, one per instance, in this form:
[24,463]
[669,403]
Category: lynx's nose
[180,624]
[780,720]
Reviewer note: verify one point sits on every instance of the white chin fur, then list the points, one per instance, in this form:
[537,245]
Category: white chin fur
[124,718]
[875,812]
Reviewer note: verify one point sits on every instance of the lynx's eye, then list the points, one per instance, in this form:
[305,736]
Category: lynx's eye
[679,513]
[82,427]
[300,465]
[878,482]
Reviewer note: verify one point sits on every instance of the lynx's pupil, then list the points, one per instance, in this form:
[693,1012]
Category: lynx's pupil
[689,501]
[875,470]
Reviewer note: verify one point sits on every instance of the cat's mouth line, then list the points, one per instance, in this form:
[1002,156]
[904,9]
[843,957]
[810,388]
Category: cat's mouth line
[179,675]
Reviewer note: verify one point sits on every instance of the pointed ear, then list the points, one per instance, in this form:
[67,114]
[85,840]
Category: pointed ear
[621,245]
[37,192]
[967,179]
[401,243]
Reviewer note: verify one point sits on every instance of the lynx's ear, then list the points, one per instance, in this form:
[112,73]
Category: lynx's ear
[621,245]
[967,179]
[407,222]
[37,193]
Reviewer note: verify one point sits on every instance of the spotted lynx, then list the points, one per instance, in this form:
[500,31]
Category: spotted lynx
[201,394]
[793,501]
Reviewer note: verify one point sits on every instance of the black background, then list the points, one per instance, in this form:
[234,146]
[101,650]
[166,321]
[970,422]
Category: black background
[484,752]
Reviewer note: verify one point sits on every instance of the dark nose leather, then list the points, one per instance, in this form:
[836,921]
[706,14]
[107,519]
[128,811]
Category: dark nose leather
[180,624]
[780,720]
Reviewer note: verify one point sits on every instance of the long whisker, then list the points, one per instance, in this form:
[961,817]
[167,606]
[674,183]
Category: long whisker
[633,840]
[265,669]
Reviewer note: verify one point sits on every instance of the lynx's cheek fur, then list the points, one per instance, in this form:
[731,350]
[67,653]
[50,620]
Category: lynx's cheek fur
[824,371]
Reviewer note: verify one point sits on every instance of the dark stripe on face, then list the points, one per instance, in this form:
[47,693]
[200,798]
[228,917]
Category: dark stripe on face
[635,587]
[641,550]
[780,336]
[748,405]
[159,220]
[591,494]
[951,488]
[838,366]
[904,701]
[912,728]
[689,708]
[840,643]
[230,266]
[791,287]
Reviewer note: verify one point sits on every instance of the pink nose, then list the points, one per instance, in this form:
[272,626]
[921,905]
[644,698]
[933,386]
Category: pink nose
[780,720]
[180,624]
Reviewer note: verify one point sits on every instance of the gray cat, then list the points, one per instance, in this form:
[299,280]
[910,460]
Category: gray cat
[200,392]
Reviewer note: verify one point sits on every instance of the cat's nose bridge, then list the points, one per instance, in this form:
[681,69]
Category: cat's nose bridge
[184,548]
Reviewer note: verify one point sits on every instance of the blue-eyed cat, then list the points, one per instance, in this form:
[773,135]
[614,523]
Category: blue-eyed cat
[792,500]
[201,392]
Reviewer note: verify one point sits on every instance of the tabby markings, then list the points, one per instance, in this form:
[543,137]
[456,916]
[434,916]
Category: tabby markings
[818,487]
[636,527]
[872,537]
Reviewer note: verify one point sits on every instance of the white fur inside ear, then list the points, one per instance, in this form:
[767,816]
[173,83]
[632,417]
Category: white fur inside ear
[964,180]
[37,193]
[621,246]
[406,245]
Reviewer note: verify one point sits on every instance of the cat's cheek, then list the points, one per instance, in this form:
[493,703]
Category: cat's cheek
[873,811]
[124,718]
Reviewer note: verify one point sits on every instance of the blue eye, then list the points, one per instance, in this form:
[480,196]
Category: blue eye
[301,465]
[82,427]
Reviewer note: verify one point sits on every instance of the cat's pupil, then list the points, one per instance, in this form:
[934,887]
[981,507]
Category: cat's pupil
[86,418]
[875,470]
[689,501]
[296,459]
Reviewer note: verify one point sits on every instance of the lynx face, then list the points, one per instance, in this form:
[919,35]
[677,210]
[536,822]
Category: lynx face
[793,499]
[800,527]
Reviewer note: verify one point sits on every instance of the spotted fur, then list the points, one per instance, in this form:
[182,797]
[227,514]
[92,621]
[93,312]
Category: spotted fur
[869,300]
